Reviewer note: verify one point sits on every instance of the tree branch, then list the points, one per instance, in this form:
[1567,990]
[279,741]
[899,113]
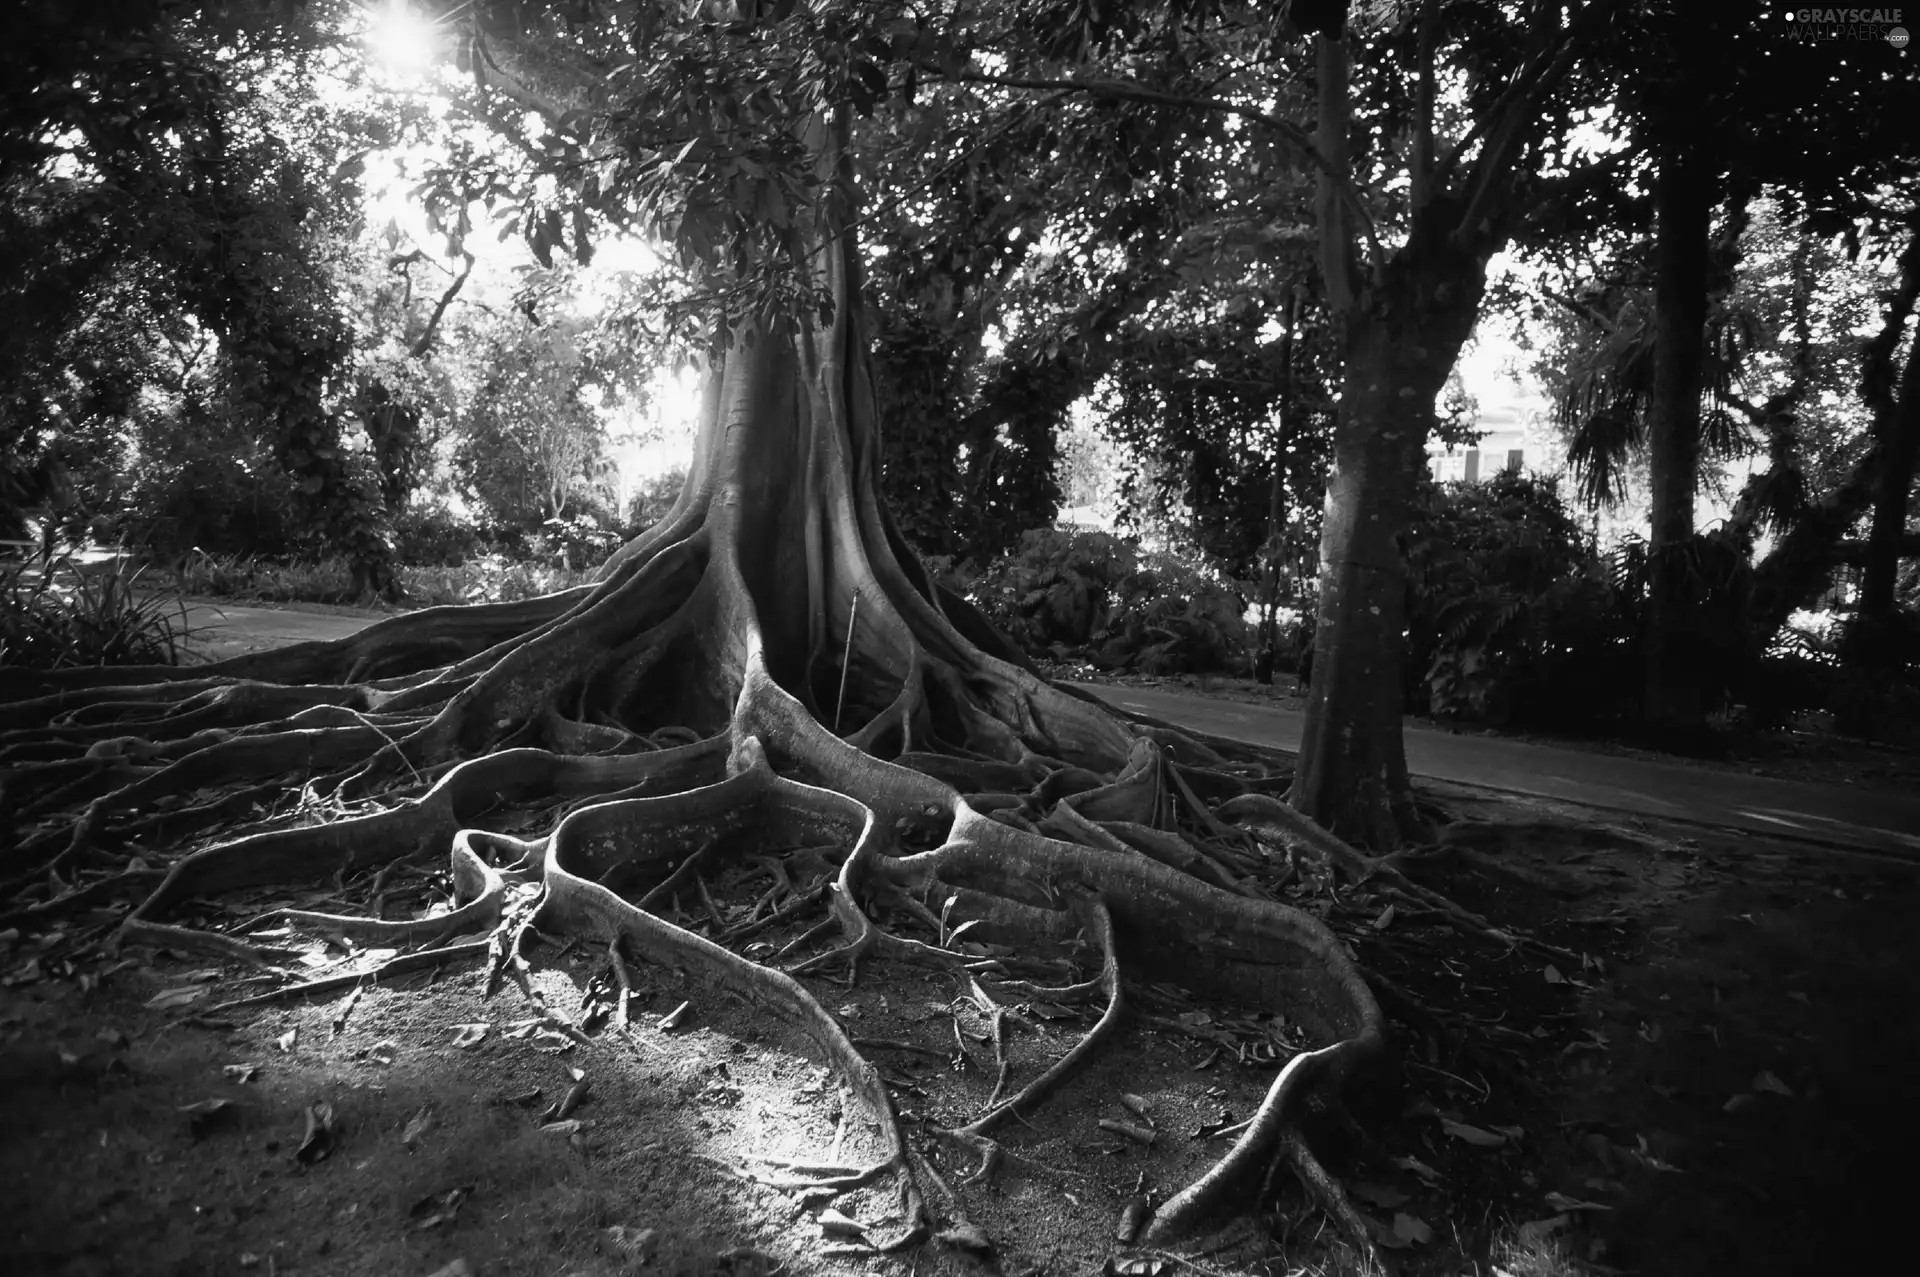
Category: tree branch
[1517,110]
[1125,91]
[422,346]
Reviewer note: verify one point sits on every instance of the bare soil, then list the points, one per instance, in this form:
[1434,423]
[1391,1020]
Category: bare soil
[1701,1089]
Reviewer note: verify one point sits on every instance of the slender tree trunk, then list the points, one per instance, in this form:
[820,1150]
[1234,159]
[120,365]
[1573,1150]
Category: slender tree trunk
[1683,212]
[1898,431]
[1401,344]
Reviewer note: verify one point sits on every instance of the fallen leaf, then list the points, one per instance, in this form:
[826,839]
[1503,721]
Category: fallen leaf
[1137,1266]
[572,1126]
[1514,1133]
[470,1035]
[347,1004]
[1769,1081]
[1379,1195]
[1561,1202]
[1412,1229]
[206,1115]
[168,999]
[551,1042]
[457,1268]
[834,1224]
[1418,1167]
[422,1123]
[317,1142]
[674,1018]
[1385,919]
[383,1052]
[966,1235]
[1471,1134]
[1553,975]
[439,1208]
[286,1040]
[241,1073]
[1738,1102]
[630,1244]
[1540,1229]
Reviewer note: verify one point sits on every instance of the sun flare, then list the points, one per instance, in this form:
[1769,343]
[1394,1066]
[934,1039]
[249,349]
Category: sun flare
[401,37]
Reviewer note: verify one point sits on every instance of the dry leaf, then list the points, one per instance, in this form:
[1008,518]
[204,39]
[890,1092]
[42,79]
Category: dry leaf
[1379,1195]
[1471,1134]
[422,1123]
[286,1040]
[1769,1081]
[630,1244]
[1412,1229]
[317,1142]
[168,999]
[1540,1229]
[1385,919]
[966,1235]
[551,1042]
[834,1224]
[1553,975]
[1418,1167]
[470,1035]
[1561,1202]
[242,1073]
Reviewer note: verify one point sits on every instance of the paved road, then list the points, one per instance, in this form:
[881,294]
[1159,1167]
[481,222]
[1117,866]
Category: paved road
[220,630]
[1879,820]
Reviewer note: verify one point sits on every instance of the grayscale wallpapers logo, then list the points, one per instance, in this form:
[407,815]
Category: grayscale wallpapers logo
[1848,24]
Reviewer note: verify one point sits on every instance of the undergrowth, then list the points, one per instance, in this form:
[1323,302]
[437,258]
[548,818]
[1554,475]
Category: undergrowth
[53,615]
[491,579]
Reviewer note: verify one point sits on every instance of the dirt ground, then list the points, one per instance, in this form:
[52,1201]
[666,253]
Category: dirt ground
[1701,1090]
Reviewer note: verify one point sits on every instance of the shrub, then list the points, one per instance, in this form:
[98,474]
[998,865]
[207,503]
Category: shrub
[576,542]
[433,535]
[1511,618]
[1091,594]
[54,615]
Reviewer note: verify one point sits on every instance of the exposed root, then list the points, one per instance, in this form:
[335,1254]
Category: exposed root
[590,756]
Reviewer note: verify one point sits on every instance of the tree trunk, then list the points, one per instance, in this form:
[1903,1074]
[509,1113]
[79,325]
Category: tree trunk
[1683,212]
[1401,344]
[1898,430]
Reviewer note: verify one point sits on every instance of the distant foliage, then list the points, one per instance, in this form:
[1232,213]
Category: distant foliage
[434,536]
[1096,596]
[1511,618]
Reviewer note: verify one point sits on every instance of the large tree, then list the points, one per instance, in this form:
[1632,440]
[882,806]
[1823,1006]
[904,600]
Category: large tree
[1454,181]
[767,667]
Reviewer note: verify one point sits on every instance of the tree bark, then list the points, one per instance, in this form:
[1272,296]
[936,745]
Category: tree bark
[1683,212]
[1352,776]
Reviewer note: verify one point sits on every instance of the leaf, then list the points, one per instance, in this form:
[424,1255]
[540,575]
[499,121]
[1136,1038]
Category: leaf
[1412,1229]
[966,1235]
[1379,1195]
[1561,1202]
[834,1224]
[1539,1230]
[470,1035]
[286,1040]
[422,1123]
[207,1114]
[1418,1167]
[1768,1081]
[1553,975]
[242,1073]
[551,1042]
[168,999]
[1471,1134]
[317,1141]
[1385,919]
